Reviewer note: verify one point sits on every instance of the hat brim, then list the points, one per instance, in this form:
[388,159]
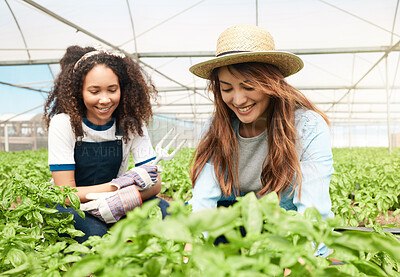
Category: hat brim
[286,62]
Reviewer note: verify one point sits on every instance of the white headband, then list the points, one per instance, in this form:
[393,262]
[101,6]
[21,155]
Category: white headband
[98,52]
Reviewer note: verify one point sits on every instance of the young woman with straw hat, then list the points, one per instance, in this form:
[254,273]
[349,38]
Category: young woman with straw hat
[280,140]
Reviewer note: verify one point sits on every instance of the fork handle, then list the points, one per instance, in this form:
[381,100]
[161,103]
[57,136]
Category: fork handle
[157,159]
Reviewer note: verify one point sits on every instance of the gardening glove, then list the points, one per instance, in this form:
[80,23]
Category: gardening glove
[144,177]
[111,206]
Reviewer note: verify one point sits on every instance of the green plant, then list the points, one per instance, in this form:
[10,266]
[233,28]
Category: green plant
[276,239]
[365,184]
[176,175]
[29,223]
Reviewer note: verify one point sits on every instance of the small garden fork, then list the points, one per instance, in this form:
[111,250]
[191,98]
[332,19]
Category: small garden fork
[162,153]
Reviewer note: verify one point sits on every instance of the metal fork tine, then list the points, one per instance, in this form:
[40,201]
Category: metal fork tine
[171,142]
[162,153]
[177,148]
[159,145]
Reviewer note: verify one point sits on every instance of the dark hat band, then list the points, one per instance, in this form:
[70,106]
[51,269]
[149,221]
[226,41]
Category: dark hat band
[230,52]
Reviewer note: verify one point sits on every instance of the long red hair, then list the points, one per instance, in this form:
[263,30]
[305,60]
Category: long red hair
[219,144]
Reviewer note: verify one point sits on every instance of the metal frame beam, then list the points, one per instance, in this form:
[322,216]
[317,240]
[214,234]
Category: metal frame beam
[205,54]
[78,28]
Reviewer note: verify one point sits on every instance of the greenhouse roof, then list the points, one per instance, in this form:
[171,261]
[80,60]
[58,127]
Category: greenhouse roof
[350,49]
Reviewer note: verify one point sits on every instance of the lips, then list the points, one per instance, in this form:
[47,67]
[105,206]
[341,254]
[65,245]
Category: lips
[245,110]
[104,110]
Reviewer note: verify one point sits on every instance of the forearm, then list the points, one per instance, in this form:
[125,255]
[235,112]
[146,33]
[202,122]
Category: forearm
[107,187]
[153,191]
[83,191]
[67,178]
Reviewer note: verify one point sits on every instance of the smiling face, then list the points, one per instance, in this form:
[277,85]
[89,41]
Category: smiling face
[101,94]
[249,103]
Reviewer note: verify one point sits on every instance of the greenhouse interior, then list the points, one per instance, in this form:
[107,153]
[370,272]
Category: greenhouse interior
[351,55]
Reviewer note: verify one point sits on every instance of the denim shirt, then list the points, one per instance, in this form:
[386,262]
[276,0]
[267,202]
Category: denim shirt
[316,165]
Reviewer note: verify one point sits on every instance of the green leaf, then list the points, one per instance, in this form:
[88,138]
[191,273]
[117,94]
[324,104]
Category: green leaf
[152,268]
[73,232]
[37,216]
[252,216]
[71,259]
[9,231]
[53,273]
[35,232]
[47,210]
[288,260]
[76,247]
[368,242]
[81,213]
[313,214]
[87,266]
[16,257]
[368,268]
[74,199]
[213,220]
[18,271]
[171,229]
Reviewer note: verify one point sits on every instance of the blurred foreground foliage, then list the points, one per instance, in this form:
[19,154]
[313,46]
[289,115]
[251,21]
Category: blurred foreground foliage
[144,245]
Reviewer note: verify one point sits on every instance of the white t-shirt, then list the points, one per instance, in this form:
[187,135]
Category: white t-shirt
[62,143]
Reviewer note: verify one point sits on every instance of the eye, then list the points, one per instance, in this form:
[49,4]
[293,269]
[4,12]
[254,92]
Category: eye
[248,88]
[226,90]
[93,91]
[113,89]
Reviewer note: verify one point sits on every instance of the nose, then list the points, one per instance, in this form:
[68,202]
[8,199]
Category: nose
[238,97]
[104,98]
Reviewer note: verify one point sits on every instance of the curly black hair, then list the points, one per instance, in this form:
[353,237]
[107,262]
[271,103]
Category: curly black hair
[134,107]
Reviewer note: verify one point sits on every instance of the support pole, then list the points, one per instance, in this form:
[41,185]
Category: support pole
[388,106]
[6,142]
[348,119]
[34,136]
[195,141]
[256,12]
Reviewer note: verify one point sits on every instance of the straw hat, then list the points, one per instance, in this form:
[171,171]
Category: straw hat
[246,43]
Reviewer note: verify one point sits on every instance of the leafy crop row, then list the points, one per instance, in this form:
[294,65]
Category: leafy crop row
[144,245]
[366,184]
[29,223]
[275,240]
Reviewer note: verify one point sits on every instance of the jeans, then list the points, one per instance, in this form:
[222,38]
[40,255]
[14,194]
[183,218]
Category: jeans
[92,226]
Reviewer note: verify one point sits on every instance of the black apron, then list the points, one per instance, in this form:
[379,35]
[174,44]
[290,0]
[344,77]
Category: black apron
[97,162]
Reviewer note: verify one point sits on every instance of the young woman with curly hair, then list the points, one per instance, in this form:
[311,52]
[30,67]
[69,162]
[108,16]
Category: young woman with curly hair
[97,115]
[265,135]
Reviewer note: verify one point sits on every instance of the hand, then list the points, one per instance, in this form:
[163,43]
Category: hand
[111,206]
[144,177]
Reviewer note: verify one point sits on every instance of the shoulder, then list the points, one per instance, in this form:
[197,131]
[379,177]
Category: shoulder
[307,116]
[134,135]
[135,140]
[60,122]
[309,123]
[59,118]
[60,133]
[313,133]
